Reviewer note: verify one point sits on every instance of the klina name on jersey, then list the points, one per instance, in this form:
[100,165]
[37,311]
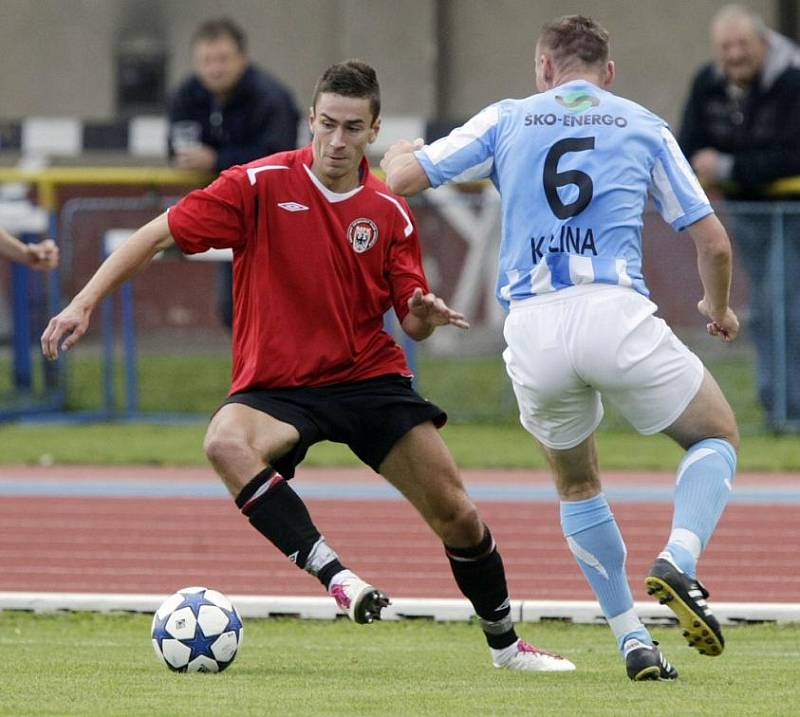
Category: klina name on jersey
[570,240]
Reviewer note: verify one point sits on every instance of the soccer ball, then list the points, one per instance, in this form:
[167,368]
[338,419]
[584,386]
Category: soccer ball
[197,630]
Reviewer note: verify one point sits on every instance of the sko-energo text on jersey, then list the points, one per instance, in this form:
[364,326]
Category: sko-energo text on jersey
[573,166]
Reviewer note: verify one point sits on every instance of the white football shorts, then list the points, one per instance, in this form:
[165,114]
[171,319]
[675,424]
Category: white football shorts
[567,348]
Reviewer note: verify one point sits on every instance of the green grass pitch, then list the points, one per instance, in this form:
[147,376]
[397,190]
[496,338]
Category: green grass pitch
[93,664]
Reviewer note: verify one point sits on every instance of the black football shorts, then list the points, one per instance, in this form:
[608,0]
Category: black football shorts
[369,416]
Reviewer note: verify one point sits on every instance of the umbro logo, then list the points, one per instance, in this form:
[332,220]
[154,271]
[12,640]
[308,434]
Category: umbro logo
[503,605]
[293,207]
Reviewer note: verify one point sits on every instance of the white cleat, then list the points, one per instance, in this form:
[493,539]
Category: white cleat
[528,658]
[361,601]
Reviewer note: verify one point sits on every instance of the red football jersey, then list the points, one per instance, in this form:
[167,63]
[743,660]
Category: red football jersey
[313,271]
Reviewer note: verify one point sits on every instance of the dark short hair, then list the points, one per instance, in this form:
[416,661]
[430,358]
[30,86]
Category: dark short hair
[351,78]
[217,27]
[575,39]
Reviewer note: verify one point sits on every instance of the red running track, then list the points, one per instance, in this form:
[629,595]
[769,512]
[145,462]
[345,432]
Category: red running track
[156,545]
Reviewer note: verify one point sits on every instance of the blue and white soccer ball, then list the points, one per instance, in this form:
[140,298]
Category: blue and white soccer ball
[197,630]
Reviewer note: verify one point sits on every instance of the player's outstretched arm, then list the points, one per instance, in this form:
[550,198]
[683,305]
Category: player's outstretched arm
[66,328]
[714,261]
[426,312]
[42,256]
[404,173]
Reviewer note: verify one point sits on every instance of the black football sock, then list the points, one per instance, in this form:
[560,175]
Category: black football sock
[480,574]
[278,513]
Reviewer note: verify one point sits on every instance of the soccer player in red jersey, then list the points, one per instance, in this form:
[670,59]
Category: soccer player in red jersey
[322,249]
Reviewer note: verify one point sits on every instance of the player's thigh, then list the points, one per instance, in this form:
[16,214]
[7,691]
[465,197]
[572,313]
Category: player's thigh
[422,468]
[645,371]
[238,427]
[708,415]
[556,405]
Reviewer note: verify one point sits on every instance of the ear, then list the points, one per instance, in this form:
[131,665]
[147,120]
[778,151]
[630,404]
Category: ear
[373,131]
[311,117]
[611,73]
[548,70]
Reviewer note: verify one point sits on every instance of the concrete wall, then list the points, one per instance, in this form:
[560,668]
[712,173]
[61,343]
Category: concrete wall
[445,56]
[56,57]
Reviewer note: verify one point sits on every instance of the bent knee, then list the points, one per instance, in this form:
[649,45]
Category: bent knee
[461,526]
[732,436]
[728,433]
[725,428]
[224,448]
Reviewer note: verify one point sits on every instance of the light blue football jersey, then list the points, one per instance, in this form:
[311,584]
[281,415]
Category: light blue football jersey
[574,166]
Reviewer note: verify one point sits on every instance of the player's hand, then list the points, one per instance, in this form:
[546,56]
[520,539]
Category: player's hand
[725,326]
[400,148]
[433,310]
[69,325]
[200,157]
[704,163]
[42,256]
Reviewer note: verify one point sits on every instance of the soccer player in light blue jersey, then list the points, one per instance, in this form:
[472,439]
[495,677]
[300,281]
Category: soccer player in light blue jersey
[574,166]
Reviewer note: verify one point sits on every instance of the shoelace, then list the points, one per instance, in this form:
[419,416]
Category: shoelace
[523,646]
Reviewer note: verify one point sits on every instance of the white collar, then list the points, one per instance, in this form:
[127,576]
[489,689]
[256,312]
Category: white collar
[331,196]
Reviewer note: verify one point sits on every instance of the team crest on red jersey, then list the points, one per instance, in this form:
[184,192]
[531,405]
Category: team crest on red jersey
[362,234]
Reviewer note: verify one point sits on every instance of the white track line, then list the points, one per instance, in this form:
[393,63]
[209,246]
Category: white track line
[324,608]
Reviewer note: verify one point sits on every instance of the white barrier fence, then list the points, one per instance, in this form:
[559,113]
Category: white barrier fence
[324,608]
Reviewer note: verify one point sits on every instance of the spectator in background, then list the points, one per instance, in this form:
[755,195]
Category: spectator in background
[740,132]
[41,256]
[228,112]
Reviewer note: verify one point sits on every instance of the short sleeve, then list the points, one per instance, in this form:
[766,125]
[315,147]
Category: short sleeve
[674,187]
[466,154]
[214,217]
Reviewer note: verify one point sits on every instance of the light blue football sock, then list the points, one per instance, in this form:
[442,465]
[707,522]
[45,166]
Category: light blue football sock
[595,541]
[703,485]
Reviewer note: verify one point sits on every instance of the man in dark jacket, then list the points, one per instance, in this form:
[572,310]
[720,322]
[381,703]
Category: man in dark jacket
[740,132]
[228,112]
[241,112]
